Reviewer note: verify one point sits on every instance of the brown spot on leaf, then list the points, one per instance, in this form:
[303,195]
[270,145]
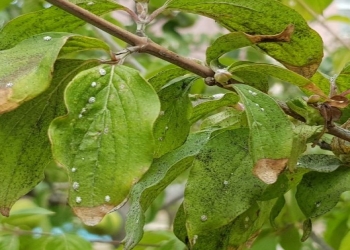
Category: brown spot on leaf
[268,170]
[6,105]
[91,216]
[284,36]
[5,211]
[338,101]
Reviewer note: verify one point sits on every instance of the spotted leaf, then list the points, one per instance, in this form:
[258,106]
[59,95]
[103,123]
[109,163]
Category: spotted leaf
[105,142]
[271,133]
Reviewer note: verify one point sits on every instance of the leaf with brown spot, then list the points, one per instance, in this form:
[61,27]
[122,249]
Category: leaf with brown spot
[271,133]
[268,170]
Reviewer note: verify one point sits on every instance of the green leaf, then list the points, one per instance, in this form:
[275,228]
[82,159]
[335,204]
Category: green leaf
[271,133]
[49,20]
[9,241]
[105,142]
[256,79]
[276,209]
[319,162]
[60,242]
[228,118]
[165,76]
[302,54]
[25,147]
[342,80]
[215,194]
[25,70]
[307,229]
[172,126]
[248,225]
[219,100]
[280,73]
[78,44]
[162,172]
[344,245]
[236,40]
[302,135]
[322,81]
[318,192]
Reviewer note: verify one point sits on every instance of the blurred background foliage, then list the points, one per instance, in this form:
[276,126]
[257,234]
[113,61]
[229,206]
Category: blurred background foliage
[42,217]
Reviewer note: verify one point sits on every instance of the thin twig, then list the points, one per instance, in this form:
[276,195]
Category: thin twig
[145,44]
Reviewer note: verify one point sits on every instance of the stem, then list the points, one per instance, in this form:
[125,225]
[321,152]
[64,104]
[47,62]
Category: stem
[145,44]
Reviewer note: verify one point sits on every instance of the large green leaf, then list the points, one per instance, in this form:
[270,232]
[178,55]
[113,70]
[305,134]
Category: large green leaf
[162,172]
[4,3]
[319,192]
[9,241]
[25,147]
[105,142]
[49,20]
[278,72]
[302,54]
[271,133]
[215,194]
[25,70]
[172,126]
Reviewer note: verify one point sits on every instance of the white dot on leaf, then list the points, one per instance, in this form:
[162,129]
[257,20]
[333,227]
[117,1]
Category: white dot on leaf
[47,38]
[73,170]
[80,116]
[225,183]
[92,99]
[78,199]
[107,198]
[9,85]
[93,84]
[204,217]
[262,109]
[75,185]
[102,72]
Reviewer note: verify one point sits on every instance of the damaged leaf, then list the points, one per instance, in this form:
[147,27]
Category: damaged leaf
[271,133]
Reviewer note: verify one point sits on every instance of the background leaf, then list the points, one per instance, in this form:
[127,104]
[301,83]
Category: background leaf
[318,193]
[101,141]
[27,149]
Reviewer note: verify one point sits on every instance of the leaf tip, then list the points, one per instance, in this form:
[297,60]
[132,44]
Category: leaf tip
[268,170]
[5,211]
[91,216]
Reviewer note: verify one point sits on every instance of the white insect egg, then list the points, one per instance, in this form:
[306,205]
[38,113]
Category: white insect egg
[9,85]
[166,128]
[225,183]
[75,185]
[92,99]
[93,84]
[47,38]
[204,217]
[107,198]
[256,104]
[80,116]
[78,199]
[298,163]
[262,109]
[254,93]
[102,72]
[73,170]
